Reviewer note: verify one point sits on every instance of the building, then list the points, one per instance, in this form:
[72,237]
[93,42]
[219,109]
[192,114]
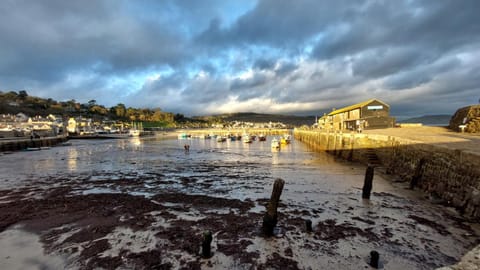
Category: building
[369,114]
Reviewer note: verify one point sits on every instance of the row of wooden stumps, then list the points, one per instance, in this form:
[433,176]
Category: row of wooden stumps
[366,191]
[271,216]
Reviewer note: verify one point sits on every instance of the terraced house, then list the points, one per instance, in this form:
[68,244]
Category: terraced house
[368,114]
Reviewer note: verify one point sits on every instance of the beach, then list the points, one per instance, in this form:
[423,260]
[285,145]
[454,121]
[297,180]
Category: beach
[145,203]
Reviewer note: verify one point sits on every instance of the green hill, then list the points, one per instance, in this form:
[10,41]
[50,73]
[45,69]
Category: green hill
[292,120]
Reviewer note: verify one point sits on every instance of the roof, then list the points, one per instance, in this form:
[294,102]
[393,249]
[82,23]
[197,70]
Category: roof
[356,106]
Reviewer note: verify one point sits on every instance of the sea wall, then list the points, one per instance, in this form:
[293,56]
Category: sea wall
[450,175]
[24,143]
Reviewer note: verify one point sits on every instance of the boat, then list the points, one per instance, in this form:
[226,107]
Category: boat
[247,139]
[262,138]
[182,136]
[275,143]
[134,133]
[136,130]
[33,149]
[202,136]
[221,139]
[285,139]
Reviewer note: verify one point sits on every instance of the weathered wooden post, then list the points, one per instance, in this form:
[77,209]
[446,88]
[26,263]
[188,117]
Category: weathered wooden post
[308,225]
[206,248]
[374,259]
[368,182]
[418,173]
[270,218]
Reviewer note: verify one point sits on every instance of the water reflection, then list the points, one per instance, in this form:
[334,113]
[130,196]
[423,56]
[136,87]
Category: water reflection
[72,156]
[136,141]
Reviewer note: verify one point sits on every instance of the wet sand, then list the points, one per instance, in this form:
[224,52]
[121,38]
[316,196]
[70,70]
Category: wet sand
[90,208]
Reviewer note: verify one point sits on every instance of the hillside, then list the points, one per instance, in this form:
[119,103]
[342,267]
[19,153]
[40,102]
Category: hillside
[261,118]
[12,102]
[429,120]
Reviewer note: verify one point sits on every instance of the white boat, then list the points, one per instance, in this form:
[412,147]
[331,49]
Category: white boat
[134,133]
[136,130]
[221,139]
[275,143]
[286,139]
[246,139]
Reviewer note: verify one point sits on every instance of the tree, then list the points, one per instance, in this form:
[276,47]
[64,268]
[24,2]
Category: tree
[119,110]
[179,117]
[22,94]
[92,103]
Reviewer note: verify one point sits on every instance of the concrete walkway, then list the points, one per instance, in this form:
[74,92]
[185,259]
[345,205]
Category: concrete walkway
[439,136]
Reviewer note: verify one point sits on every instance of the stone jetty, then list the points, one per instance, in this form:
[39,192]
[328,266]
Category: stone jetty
[447,169]
[17,144]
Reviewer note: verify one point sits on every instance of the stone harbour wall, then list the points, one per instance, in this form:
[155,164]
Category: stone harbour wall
[448,175]
[25,143]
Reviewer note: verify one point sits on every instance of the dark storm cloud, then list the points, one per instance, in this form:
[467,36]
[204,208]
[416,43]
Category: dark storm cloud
[285,68]
[284,24]
[382,62]
[415,76]
[254,81]
[46,40]
[264,64]
[436,26]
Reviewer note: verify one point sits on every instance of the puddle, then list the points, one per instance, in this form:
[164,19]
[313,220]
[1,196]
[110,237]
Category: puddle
[23,250]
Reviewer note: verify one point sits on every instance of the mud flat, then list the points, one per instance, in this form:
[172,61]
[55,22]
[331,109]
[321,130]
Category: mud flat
[146,205]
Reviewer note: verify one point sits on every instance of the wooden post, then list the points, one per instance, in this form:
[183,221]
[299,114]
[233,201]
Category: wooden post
[308,225]
[368,182]
[418,173]
[207,240]
[270,218]
[374,259]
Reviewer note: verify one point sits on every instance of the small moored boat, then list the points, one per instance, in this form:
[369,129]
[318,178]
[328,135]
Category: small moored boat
[247,139]
[275,143]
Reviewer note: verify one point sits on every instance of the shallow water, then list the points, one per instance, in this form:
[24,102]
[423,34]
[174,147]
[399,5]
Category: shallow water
[317,187]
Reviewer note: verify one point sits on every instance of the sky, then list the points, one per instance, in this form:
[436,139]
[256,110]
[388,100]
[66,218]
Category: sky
[205,57]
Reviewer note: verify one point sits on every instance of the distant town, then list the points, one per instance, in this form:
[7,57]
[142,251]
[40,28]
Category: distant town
[23,116]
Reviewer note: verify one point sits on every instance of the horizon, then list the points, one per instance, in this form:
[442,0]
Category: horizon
[276,57]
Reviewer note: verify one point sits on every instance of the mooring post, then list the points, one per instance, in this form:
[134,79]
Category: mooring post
[368,182]
[206,248]
[270,218]
[418,173]
[308,225]
[374,259]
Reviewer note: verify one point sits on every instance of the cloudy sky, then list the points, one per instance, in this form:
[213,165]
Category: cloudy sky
[273,56]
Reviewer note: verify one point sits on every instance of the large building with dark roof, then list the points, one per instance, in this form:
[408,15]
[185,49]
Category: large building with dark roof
[369,114]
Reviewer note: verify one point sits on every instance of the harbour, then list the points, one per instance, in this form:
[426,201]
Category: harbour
[146,201]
